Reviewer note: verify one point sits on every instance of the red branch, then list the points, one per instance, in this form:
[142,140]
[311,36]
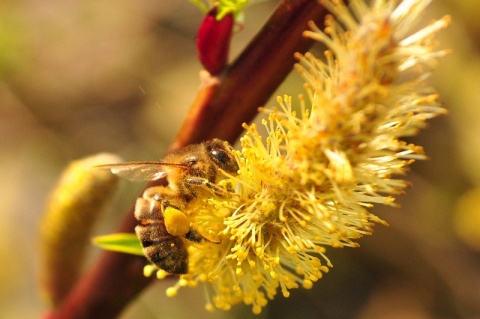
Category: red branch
[250,81]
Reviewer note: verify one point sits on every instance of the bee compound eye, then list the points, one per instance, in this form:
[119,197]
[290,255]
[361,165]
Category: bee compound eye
[224,160]
[219,155]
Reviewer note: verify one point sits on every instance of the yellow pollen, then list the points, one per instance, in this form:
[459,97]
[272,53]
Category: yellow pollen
[172,291]
[161,274]
[209,307]
[148,270]
[176,222]
[257,310]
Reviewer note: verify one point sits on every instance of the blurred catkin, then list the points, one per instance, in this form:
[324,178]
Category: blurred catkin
[65,231]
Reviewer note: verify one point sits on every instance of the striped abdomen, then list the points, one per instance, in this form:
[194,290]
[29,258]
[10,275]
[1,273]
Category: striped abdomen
[162,249]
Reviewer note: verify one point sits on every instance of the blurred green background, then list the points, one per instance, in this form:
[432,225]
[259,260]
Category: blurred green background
[81,77]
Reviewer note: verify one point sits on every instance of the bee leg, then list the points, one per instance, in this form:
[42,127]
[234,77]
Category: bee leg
[164,195]
[203,182]
[195,236]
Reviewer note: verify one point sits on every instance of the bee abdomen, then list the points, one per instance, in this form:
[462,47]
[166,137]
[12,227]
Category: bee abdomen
[166,252]
[161,248]
[147,210]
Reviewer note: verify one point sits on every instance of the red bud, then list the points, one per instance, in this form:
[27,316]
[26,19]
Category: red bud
[213,41]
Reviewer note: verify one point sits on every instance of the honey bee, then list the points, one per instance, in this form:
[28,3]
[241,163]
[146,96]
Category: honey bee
[189,171]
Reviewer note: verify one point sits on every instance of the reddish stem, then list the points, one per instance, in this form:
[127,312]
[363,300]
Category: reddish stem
[250,81]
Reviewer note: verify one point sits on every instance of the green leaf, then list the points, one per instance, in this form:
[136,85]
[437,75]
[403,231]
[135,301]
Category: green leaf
[121,242]
[224,7]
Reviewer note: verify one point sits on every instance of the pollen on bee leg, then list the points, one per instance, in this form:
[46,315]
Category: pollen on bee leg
[176,222]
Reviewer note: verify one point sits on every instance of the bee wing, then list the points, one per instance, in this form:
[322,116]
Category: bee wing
[138,171]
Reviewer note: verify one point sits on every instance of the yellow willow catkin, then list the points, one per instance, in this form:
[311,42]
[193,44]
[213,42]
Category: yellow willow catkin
[66,226]
[309,184]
